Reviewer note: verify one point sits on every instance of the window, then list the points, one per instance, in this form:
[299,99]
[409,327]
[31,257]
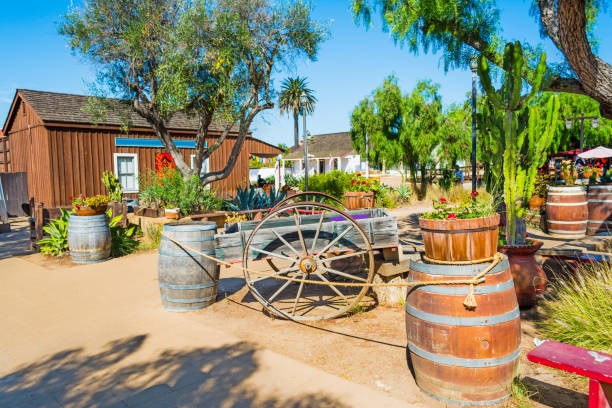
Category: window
[126,169]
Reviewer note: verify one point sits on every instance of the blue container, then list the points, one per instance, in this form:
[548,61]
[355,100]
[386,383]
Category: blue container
[187,280]
[89,238]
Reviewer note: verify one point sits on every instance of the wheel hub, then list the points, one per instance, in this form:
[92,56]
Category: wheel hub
[308,265]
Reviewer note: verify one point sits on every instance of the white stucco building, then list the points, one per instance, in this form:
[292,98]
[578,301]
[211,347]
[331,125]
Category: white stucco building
[326,152]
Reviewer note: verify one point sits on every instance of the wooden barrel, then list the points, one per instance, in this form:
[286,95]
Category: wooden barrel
[460,240]
[187,280]
[355,200]
[462,356]
[566,212]
[600,209]
[89,238]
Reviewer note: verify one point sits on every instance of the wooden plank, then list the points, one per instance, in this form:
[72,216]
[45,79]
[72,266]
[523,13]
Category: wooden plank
[577,360]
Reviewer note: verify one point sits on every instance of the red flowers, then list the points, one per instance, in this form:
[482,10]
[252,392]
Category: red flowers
[358,174]
[451,216]
[474,193]
[70,197]
[443,200]
[352,181]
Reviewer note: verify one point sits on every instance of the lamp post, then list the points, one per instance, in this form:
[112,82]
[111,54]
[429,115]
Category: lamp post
[304,102]
[473,68]
[581,118]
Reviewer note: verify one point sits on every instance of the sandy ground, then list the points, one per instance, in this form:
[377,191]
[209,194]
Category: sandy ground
[96,335]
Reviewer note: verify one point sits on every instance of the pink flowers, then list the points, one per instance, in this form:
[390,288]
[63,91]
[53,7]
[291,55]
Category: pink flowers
[451,216]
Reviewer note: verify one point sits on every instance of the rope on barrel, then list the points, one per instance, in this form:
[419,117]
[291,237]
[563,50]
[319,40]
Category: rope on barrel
[469,302]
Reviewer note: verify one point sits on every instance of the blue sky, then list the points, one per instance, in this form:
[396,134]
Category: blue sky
[350,64]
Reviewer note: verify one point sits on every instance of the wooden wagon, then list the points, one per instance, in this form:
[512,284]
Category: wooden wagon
[301,261]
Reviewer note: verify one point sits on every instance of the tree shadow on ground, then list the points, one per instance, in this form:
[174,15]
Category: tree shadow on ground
[409,228]
[16,242]
[197,377]
[554,396]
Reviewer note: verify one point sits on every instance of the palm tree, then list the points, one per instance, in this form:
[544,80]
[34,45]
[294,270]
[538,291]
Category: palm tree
[292,90]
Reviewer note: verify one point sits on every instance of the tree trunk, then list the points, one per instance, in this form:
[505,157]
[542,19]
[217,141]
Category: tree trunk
[296,132]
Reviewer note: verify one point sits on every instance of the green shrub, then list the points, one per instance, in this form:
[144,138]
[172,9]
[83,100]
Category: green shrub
[334,183]
[447,180]
[57,241]
[270,179]
[292,181]
[123,241]
[578,308]
[403,194]
[170,190]
[152,236]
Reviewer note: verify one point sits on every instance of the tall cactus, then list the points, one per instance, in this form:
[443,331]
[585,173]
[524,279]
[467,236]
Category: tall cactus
[520,169]
[112,184]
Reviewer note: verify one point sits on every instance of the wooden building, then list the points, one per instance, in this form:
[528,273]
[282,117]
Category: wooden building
[51,137]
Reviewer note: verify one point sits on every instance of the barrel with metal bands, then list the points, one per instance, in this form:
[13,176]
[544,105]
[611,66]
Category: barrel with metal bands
[187,280]
[600,209]
[461,356]
[566,211]
[89,239]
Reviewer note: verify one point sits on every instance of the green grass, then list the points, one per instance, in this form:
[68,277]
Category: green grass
[578,308]
[151,237]
[521,394]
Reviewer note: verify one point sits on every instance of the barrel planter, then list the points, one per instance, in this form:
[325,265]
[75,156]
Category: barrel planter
[187,280]
[529,277]
[460,240]
[566,212]
[89,239]
[461,356]
[355,200]
[600,209]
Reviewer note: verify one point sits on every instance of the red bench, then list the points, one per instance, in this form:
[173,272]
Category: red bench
[592,364]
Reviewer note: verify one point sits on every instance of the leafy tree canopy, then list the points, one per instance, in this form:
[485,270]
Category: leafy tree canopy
[210,59]
[462,28]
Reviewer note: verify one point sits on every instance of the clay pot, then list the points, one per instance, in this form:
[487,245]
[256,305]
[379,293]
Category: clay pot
[84,211]
[172,213]
[529,277]
[536,202]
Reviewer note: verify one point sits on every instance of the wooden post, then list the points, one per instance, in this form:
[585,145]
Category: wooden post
[39,214]
[4,153]
[124,212]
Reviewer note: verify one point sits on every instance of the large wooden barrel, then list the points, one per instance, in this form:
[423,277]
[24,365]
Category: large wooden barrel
[187,280]
[460,240]
[355,200]
[566,212]
[462,356]
[89,239]
[600,209]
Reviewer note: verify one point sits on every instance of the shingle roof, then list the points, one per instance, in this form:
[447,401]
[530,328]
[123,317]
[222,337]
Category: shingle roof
[325,145]
[69,108]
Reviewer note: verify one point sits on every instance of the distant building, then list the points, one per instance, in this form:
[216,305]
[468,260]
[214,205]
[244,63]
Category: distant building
[51,137]
[326,152]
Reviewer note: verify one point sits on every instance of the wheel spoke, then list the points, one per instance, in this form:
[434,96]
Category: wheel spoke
[333,258]
[285,242]
[314,241]
[333,242]
[280,272]
[346,275]
[271,298]
[299,231]
[299,293]
[332,287]
[263,251]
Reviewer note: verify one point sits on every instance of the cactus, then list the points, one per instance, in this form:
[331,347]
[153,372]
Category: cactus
[524,148]
[111,182]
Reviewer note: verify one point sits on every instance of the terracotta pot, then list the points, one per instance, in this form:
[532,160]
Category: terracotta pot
[355,200]
[172,213]
[587,174]
[536,202]
[460,240]
[83,211]
[529,277]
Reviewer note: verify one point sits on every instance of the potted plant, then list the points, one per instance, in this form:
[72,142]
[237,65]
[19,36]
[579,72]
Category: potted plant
[528,132]
[538,199]
[461,233]
[360,193]
[87,206]
[172,211]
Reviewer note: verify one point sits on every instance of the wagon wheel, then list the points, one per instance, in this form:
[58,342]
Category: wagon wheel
[310,196]
[327,246]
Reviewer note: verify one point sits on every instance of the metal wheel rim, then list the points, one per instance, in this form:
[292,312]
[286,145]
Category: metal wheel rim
[367,251]
[285,201]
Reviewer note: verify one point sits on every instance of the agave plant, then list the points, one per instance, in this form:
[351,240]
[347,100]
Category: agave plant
[57,241]
[253,199]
